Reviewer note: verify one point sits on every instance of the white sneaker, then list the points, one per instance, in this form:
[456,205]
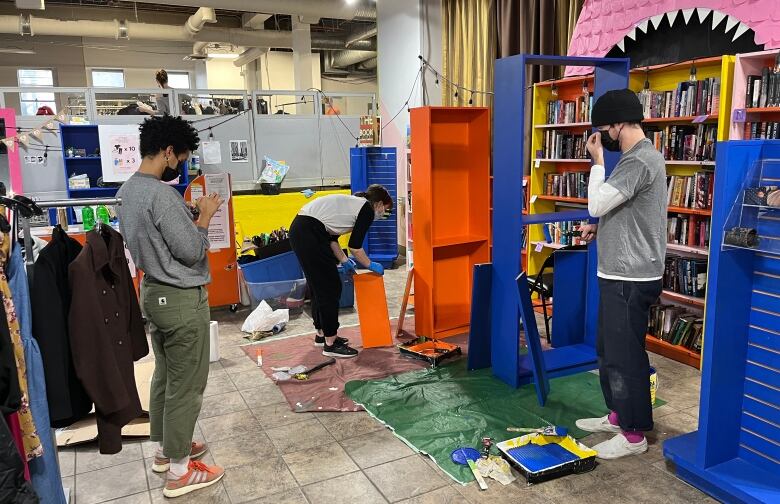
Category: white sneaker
[597,425]
[618,447]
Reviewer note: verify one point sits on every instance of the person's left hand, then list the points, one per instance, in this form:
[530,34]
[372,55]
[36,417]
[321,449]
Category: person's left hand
[588,232]
[349,266]
[595,149]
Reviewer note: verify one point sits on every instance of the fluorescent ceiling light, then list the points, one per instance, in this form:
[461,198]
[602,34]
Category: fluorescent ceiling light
[222,56]
[12,50]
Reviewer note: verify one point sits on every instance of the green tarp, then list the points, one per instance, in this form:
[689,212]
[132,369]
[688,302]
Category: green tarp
[438,410]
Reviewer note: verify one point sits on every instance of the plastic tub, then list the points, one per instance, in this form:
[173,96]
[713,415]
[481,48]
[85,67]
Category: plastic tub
[274,269]
[282,294]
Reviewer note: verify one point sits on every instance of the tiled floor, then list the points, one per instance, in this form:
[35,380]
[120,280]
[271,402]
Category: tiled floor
[274,456]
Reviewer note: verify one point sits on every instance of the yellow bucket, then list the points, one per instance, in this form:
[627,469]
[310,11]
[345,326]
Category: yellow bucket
[653,384]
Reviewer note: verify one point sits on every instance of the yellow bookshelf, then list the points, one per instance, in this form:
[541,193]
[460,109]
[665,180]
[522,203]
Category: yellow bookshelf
[661,78]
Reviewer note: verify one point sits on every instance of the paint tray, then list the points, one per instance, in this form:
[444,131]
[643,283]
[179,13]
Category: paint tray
[541,458]
[429,350]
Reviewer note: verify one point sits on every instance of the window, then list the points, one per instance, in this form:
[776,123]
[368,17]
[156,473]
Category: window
[179,80]
[108,78]
[30,102]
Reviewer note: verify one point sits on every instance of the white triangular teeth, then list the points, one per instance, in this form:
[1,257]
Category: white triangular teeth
[717,17]
[687,13]
[622,44]
[642,26]
[632,34]
[702,12]
[656,20]
[671,16]
[731,23]
[742,28]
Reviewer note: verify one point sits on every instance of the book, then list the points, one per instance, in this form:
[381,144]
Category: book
[751,79]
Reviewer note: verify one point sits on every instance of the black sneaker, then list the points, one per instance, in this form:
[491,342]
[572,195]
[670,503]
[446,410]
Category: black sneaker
[320,340]
[340,351]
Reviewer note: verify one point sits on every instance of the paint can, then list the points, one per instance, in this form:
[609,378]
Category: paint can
[653,384]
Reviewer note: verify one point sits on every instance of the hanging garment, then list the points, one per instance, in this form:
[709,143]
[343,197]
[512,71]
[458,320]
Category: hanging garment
[12,419]
[44,470]
[32,443]
[13,487]
[10,394]
[50,299]
[106,333]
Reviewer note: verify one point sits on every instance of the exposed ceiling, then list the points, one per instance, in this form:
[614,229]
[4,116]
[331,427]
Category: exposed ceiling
[344,44]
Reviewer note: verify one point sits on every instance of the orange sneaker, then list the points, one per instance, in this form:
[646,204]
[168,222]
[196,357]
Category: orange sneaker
[198,476]
[162,464]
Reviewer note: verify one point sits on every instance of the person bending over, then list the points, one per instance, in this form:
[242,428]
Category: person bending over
[314,235]
[171,249]
[631,238]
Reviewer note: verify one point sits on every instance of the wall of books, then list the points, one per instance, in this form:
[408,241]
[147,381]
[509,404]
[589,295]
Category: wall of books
[684,104]
[756,97]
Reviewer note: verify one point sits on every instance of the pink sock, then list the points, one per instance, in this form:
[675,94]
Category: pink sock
[634,436]
[613,418]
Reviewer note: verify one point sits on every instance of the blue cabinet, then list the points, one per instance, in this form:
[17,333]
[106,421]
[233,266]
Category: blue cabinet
[377,165]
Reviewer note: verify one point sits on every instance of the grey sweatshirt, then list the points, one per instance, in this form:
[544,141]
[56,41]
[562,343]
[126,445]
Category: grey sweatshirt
[158,229]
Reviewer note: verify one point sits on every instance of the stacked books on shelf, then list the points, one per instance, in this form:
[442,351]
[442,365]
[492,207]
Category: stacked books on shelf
[763,91]
[564,145]
[695,98]
[693,191]
[567,184]
[685,143]
[674,325]
[685,275]
[567,111]
[762,130]
[563,233]
[688,230]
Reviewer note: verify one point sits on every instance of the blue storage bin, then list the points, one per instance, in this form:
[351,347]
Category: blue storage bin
[276,294]
[347,299]
[274,269]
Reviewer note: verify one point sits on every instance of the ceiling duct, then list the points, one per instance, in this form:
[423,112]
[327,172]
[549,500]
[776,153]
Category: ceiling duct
[360,35]
[369,64]
[342,59]
[309,9]
[249,56]
[196,22]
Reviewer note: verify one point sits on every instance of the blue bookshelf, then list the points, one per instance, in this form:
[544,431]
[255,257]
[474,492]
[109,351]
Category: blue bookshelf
[377,165]
[735,454]
[86,136]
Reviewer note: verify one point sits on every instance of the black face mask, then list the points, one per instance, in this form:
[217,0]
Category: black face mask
[608,142]
[171,173]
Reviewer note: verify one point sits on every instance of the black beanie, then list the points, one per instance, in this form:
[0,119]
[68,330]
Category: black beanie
[616,106]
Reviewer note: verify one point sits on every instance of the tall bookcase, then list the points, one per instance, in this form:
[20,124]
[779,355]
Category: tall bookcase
[450,213]
[742,113]
[546,164]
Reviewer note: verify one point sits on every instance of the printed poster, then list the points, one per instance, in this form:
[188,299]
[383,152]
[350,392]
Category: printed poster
[220,234]
[212,152]
[120,153]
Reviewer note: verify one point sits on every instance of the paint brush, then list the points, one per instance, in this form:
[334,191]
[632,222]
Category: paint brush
[550,430]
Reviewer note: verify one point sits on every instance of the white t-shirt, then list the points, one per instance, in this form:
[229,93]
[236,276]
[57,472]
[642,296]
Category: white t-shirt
[338,212]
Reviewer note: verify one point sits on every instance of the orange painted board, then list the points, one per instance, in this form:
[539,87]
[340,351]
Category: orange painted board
[372,310]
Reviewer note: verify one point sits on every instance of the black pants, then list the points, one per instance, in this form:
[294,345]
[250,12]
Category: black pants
[311,243]
[624,367]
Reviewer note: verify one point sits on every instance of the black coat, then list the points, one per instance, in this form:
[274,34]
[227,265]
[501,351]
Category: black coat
[106,333]
[50,302]
[10,393]
[13,488]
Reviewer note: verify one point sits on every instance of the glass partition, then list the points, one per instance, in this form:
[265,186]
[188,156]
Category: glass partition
[212,102]
[29,102]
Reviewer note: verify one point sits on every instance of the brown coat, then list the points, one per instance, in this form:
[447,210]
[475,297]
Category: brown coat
[106,333]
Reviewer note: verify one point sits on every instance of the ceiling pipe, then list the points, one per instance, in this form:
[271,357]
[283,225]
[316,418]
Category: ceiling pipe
[199,48]
[309,9]
[196,22]
[249,56]
[171,33]
[369,64]
[342,59]
[360,35]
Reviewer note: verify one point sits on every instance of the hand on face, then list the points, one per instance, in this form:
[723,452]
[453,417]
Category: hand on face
[595,148]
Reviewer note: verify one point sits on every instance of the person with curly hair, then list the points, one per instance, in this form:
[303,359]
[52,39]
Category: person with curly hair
[170,246]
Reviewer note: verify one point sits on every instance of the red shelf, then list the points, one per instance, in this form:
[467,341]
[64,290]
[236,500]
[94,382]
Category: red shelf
[682,298]
[675,352]
[762,110]
[563,199]
[681,119]
[688,249]
[690,211]
[563,125]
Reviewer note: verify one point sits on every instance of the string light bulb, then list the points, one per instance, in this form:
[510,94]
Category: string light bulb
[585,89]
[554,90]
[692,76]
[647,78]
[456,94]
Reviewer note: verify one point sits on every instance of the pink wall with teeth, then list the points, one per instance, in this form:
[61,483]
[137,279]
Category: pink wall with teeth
[604,23]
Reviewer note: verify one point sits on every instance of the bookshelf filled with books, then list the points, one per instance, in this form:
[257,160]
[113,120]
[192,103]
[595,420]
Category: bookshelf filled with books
[685,104]
[755,112]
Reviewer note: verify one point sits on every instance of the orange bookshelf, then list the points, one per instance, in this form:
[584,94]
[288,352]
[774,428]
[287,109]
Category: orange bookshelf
[562,199]
[683,299]
[689,211]
[451,153]
[674,352]
[682,119]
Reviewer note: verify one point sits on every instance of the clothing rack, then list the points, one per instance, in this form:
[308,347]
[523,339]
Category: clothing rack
[29,261]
